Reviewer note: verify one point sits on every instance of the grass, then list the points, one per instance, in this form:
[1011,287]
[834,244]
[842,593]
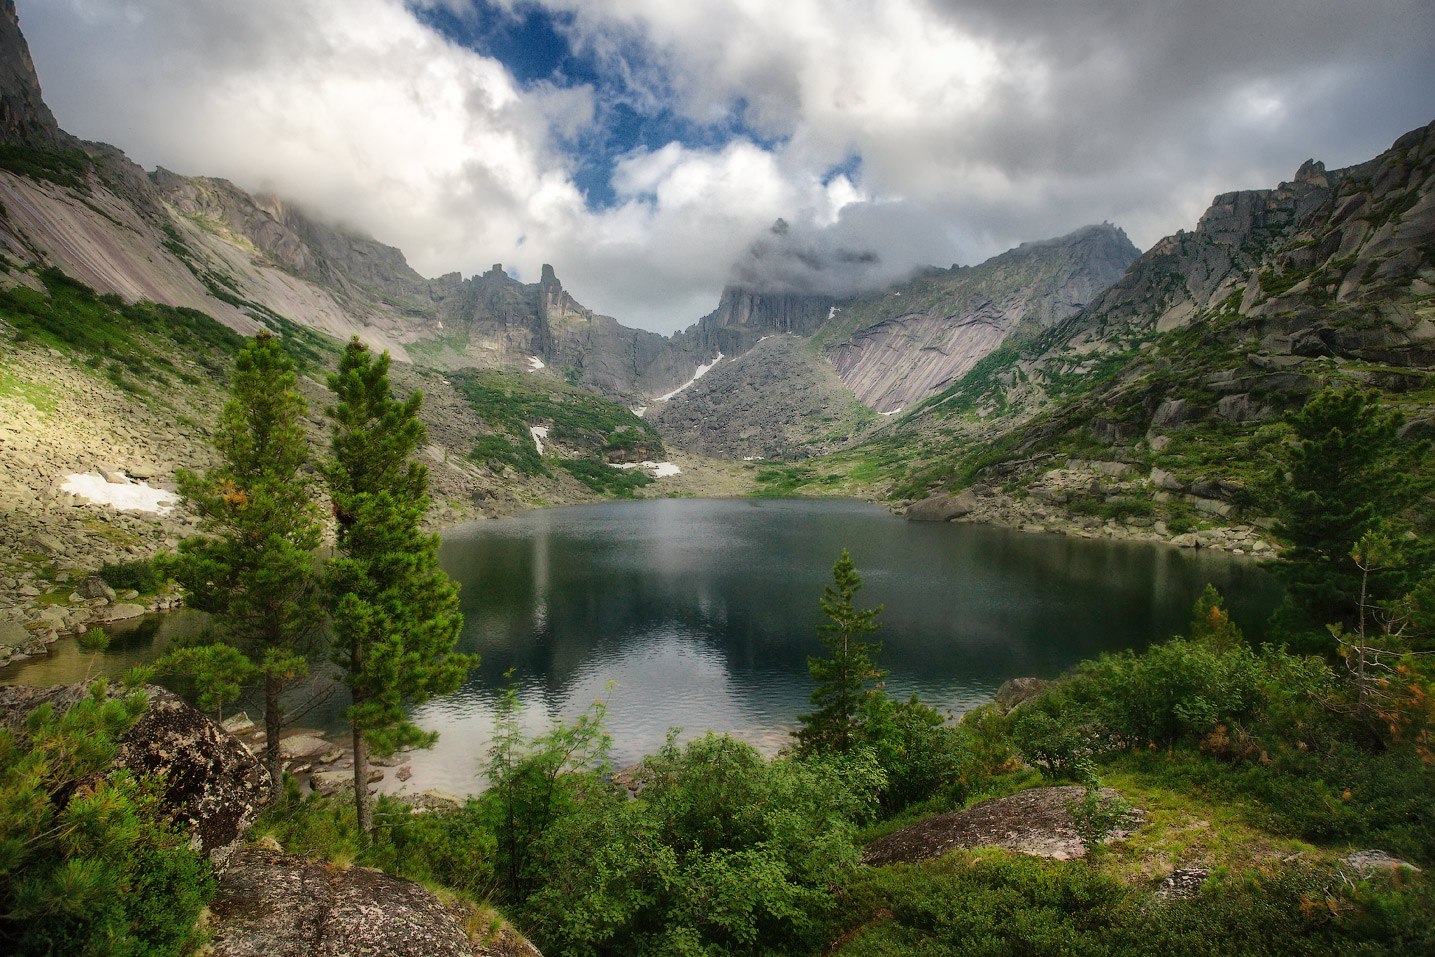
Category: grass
[40,397]
[70,168]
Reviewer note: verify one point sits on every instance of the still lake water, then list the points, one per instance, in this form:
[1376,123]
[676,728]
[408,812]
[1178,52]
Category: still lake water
[700,614]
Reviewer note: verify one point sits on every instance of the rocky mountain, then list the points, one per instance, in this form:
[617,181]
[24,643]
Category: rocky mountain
[778,400]
[880,351]
[257,259]
[1152,410]
[896,348]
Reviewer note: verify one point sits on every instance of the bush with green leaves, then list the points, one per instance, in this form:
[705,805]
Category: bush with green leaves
[723,852]
[144,575]
[89,861]
[450,847]
[978,905]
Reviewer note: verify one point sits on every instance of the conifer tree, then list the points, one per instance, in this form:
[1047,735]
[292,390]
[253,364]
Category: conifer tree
[395,612]
[1347,472]
[254,566]
[847,679]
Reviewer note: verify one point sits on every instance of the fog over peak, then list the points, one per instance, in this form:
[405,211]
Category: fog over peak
[645,148]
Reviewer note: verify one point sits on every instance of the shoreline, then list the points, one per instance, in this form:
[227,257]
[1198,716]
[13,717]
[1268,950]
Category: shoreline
[33,622]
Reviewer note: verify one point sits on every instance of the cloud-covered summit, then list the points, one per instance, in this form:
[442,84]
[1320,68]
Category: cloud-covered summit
[646,147]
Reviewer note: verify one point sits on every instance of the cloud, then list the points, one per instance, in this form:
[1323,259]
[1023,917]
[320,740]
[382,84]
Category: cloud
[976,124]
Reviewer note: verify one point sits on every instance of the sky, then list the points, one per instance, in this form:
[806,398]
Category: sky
[647,148]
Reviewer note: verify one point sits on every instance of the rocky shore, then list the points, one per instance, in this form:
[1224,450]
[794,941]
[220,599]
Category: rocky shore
[1051,503]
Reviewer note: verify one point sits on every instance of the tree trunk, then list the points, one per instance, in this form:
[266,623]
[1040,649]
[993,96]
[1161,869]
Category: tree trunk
[361,784]
[272,727]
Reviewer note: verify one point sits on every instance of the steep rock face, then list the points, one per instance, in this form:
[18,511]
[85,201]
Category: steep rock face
[24,117]
[211,781]
[779,400]
[914,340]
[354,265]
[1189,272]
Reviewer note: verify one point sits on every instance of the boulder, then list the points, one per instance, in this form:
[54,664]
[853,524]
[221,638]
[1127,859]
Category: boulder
[122,611]
[273,905]
[1165,480]
[212,784]
[304,746]
[93,586]
[942,508]
[1369,863]
[1018,691]
[1036,821]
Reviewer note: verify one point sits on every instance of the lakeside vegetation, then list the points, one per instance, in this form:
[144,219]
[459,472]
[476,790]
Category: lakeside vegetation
[1262,765]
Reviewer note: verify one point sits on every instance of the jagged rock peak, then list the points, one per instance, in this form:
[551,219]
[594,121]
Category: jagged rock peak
[24,117]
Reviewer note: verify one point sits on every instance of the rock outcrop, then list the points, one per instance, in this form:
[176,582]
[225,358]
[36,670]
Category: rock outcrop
[1036,821]
[273,905]
[212,784]
[24,117]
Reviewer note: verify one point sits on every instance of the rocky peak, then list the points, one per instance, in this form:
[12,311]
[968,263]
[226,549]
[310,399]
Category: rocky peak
[760,311]
[24,117]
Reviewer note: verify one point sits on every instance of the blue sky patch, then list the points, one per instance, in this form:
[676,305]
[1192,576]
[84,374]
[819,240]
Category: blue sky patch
[533,44]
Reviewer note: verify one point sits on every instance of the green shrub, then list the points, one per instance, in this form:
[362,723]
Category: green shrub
[453,848]
[144,575]
[92,869]
[723,852]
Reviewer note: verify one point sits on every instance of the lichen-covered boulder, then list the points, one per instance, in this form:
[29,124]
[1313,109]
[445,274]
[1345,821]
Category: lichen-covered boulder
[212,784]
[1037,821]
[273,905]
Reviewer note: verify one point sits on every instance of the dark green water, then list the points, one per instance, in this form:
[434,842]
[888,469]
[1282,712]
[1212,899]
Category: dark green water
[700,614]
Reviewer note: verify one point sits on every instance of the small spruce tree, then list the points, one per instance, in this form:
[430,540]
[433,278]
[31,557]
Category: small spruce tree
[847,680]
[254,566]
[395,612]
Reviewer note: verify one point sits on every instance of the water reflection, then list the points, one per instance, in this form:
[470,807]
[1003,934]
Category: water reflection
[701,613]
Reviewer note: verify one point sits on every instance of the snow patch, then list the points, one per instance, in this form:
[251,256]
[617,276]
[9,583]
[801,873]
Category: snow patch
[893,412]
[638,410]
[539,433]
[702,371]
[831,313]
[535,363]
[655,469]
[125,497]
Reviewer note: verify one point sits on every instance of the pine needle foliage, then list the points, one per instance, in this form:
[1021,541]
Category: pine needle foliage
[847,680]
[89,861]
[395,612]
[253,567]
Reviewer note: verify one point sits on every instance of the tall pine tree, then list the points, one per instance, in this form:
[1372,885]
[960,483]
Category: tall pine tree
[847,679]
[395,612]
[1346,473]
[254,566]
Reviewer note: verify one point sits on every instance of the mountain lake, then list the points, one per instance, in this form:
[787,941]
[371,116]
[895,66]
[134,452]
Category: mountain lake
[700,614]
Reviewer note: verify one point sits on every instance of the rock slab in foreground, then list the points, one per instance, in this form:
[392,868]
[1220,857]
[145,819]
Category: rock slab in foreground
[273,905]
[212,783]
[1036,821]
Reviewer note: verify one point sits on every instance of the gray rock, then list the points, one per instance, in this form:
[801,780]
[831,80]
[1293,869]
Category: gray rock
[121,612]
[1182,882]
[1372,862]
[211,783]
[303,746]
[1165,480]
[1018,691]
[942,508]
[272,905]
[93,586]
